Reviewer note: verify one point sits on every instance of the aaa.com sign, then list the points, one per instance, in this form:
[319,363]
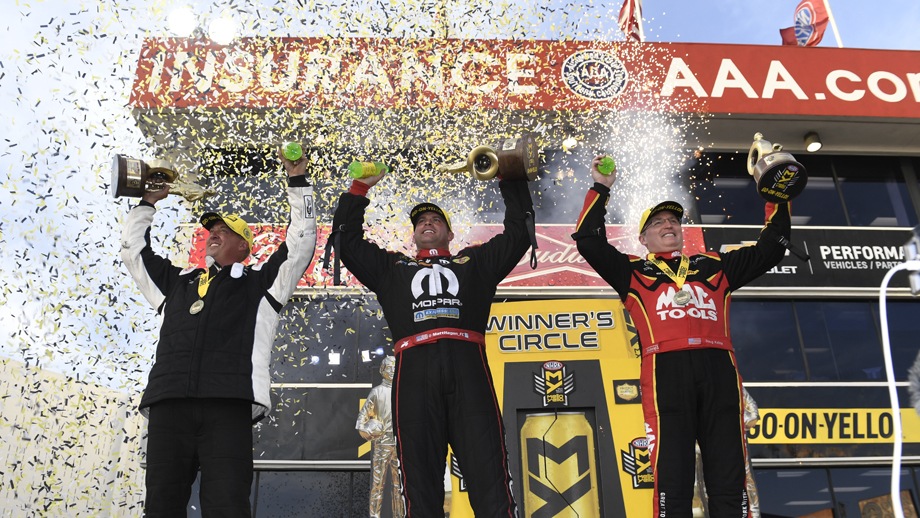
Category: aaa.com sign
[390,73]
[559,265]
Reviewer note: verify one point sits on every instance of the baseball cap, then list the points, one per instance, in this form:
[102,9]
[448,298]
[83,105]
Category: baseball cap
[672,206]
[421,208]
[234,221]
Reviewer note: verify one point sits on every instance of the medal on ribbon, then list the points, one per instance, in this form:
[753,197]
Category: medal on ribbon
[197,306]
[681,297]
[204,280]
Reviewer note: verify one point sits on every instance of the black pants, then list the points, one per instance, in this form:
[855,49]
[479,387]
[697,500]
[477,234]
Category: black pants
[689,397]
[443,392]
[214,435]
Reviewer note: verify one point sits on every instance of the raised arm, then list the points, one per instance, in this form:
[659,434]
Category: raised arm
[591,234]
[153,274]
[745,264]
[293,257]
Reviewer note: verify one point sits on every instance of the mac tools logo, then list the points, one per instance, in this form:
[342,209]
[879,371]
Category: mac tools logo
[701,305]
[438,280]
[594,74]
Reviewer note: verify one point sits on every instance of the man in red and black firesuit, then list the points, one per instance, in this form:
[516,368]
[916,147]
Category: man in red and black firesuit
[691,388]
[437,306]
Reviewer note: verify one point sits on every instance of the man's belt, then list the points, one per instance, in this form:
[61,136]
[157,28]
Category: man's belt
[434,335]
[684,344]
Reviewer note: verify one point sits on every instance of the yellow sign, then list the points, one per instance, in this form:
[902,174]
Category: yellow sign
[549,335]
[832,426]
[557,455]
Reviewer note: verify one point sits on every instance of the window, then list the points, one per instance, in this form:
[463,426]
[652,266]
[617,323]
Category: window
[867,491]
[841,341]
[903,334]
[331,338]
[822,340]
[833,493]
[766,341]
[841,191]
[794,492]
[874,192]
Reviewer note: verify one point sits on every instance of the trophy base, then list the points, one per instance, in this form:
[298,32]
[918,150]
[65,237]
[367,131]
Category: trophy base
[779,177]
[132,177]
[518,159]
[127,177]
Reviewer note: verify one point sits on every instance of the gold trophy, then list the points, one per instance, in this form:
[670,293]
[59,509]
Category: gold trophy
[779,177]
[132,177]
[513,159]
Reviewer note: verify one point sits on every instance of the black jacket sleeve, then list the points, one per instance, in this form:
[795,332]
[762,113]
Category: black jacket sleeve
[745,264]
[365,260]
[503,252]
[591,239]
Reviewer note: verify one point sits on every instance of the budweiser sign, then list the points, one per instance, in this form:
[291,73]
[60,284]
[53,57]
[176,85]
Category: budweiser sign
[559,265]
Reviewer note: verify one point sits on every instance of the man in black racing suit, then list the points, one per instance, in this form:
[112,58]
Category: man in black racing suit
[211,379]
[437,306]
[691,388]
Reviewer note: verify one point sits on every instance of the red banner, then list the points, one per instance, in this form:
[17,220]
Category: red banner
[559,265]
[389,73]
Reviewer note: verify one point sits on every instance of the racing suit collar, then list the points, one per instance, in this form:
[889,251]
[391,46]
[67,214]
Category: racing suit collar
[432,252]
[668,255]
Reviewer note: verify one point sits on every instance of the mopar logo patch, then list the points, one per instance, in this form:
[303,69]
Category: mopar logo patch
[596,75]
[637,464]
[438,280]
[553,384]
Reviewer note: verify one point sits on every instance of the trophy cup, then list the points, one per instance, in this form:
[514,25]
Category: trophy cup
[132,177]
[779,177]
[513,159]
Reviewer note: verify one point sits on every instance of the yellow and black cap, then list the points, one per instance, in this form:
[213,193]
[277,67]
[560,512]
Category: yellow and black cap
[671,206]
[421,208]
[234,221]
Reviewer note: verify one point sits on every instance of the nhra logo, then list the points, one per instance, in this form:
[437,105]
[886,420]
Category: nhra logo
[436,277]
[553,384]
[637,464]
[594,74]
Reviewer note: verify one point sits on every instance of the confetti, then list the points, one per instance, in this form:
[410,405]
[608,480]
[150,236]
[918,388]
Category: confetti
[79,340]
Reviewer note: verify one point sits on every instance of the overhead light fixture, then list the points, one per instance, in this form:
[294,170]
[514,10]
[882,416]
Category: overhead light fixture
[182,21]
[223,29]
[812,142]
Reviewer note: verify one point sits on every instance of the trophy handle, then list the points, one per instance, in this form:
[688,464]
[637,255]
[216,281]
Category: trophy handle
[482,163]
[513,158]
[759,148]
[162,170]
